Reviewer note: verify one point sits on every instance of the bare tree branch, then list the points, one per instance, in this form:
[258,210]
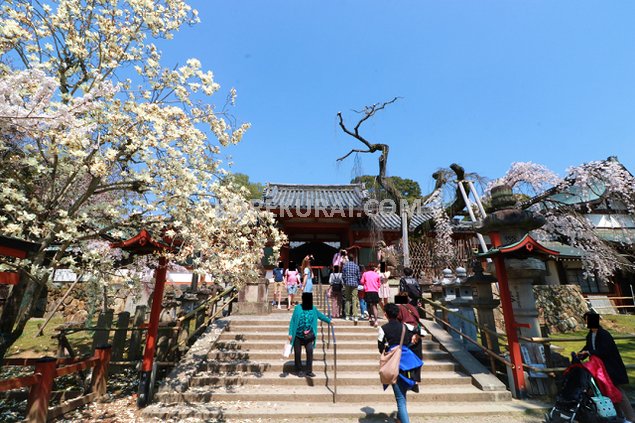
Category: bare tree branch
[368,112]
[442,177]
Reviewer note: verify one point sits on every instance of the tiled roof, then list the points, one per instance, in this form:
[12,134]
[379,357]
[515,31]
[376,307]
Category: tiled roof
[314,196]
[618,235]
[390,221]
[334,197]
[564,250]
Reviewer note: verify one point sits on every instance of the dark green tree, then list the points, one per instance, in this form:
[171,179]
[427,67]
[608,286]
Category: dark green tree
[255,188]
[409,189]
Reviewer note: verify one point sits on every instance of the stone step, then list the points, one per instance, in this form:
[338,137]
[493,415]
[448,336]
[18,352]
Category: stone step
[365,337]
[314,393]
[242,411]
[321,378]
[277,344]
[248,380]
[340,325]
[343,356]
[286,365]
[280,323]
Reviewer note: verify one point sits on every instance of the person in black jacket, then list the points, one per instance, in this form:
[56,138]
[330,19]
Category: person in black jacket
[599,342]
[410,285]
[390,335]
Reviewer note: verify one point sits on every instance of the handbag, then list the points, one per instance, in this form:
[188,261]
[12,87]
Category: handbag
[286,351]
[603,405]
[309,335]
[389,362]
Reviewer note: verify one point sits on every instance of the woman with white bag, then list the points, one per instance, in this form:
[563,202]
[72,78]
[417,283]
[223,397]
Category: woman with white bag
[303,331]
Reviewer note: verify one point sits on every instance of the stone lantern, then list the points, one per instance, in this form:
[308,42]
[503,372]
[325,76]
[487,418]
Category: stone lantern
[518,265]
[484,302]
[437,293]
[448,290]
[463,305]
[448,285]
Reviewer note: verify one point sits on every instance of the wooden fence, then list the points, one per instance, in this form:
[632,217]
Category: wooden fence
[40,383]
[127,337]
[126,333]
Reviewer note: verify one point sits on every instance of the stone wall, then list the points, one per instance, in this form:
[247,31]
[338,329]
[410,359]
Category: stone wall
[560,307]
[76,305]
[84,300]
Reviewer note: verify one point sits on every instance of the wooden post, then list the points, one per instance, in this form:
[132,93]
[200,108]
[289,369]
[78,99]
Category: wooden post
[40,394]
[488,340]
[404,239]
[119,339]
[213,307]
[151,338]
[64,345]
[200,318]
[100,372]
[134,351]
[104,321]
[518,373]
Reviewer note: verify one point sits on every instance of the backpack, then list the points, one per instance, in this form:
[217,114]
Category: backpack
[411,286]
[278,274]
[338,281]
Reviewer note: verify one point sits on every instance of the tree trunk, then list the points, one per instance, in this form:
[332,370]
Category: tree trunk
[105,305]
[17,311]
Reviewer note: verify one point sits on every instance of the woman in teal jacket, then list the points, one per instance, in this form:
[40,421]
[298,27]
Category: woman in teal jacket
[303,330]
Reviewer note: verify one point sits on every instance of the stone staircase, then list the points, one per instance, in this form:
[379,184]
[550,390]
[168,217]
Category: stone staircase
[239,374]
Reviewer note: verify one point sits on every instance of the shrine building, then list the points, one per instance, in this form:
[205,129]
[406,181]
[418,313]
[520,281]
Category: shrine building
[321,219]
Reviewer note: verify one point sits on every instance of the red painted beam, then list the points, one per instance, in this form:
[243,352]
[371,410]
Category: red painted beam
[9,278]
[510,328]
[145,377]
[12,252]
[155,311]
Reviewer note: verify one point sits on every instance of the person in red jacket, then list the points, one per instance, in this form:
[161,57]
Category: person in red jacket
[409,316]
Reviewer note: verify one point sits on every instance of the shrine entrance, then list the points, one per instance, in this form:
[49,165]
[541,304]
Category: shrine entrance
[322,252]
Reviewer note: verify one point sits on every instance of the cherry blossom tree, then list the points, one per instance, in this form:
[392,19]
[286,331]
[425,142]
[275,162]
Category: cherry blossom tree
[565,203]
[99,138]
[527,178]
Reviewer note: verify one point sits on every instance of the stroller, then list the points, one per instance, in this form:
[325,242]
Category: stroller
[574,403]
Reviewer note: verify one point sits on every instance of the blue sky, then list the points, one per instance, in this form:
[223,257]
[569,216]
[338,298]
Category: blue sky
[482,83]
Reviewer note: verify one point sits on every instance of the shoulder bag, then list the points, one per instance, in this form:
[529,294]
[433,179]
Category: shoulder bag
[389,362]
[603,405]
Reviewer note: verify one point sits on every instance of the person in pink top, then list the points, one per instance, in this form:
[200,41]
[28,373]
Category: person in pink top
[371,279]
[292,279]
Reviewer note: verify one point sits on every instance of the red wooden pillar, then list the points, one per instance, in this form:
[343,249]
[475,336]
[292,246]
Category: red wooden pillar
[515,354]
[40,394]
[153,330]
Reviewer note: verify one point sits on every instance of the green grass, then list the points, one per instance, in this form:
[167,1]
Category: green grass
[29,345]
[616,324]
